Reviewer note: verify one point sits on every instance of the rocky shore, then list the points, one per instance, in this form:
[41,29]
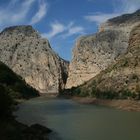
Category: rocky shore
[10,129]
[128,105]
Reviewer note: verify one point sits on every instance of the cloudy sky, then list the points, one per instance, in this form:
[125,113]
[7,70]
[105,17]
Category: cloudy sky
[63,21]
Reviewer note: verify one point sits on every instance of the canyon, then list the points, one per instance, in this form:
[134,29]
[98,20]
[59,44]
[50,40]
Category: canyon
[29,55]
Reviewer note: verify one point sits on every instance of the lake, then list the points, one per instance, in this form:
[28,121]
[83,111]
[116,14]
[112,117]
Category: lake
[73,121]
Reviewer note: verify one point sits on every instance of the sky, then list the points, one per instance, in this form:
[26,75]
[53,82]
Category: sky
[63,21]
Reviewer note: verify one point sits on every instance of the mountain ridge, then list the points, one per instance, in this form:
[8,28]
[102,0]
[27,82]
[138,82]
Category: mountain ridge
[31,56]
[95,53]
[120,80]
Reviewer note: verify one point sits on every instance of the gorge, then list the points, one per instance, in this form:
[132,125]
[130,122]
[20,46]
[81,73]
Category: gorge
[104,66]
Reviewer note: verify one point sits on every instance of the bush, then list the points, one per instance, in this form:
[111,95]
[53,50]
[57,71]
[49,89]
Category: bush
[5,102]
[106,94]
[127,94]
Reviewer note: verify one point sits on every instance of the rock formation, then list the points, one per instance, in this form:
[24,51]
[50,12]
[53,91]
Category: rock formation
[31,57]
[121,79]
[94,53]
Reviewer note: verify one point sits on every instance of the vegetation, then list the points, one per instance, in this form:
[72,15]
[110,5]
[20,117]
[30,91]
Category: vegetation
[12,87]
[16,87]
[6,102]
[95,92]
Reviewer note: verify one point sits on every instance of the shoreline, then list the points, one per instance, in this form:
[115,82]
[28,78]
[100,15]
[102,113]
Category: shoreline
[122,104]
[21,130]
[127,105]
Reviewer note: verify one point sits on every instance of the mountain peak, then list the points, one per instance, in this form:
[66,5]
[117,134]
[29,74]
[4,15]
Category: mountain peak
[27,30]
[126,18]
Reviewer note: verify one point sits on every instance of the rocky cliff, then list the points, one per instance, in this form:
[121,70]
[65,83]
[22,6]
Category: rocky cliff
[95,53]
[121,79]
[31,57]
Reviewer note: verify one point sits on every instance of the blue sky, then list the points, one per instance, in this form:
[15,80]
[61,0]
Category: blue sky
[63,21]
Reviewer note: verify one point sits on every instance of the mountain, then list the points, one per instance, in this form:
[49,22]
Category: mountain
[94,53]
[29,55]
[14,85]
[122,78]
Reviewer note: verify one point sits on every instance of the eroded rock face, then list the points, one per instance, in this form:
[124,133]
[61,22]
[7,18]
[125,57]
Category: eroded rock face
[94,53]
[121,79]
[31,57]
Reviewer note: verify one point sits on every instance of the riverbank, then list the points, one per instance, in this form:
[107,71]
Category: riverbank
[128,105]
[70,120]
[10,129]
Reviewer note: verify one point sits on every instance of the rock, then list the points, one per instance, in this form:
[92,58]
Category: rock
[121,79]
[95,53]
[40,128]
[31,57]
[36,132]
[10,129]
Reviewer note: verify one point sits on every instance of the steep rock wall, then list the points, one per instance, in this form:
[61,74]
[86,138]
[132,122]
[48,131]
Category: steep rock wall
[31,57]
[94,53]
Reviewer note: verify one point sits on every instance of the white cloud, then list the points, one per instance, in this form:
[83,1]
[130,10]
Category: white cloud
[127,6]
[100,17]
[120,7]
[24,9]
[15,14]
[40,13]
[56,28]
[64,30]
[73,30]
[18,12]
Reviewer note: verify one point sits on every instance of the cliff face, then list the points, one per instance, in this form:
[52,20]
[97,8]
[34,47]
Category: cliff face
[122,79]
[31,57]
[13,85]
[94,53]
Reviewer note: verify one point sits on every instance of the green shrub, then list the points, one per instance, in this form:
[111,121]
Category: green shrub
[5,102]
[127,94]
[125,63]
[106,94]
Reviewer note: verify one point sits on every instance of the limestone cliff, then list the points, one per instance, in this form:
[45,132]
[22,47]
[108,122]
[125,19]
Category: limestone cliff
[94,53]
[121,79]
[31,57]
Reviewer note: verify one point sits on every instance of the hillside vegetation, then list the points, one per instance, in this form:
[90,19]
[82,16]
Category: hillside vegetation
[12,87]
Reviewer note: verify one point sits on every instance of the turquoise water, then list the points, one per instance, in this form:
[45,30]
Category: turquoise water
[72,121]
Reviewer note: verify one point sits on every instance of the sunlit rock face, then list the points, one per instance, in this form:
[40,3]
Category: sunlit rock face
[31,57]
[94,53]
[122,78]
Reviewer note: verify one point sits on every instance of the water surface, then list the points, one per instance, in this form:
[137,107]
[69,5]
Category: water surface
[72,121]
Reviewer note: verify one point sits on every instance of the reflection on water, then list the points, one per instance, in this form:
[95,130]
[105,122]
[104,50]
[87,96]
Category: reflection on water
[72,121]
